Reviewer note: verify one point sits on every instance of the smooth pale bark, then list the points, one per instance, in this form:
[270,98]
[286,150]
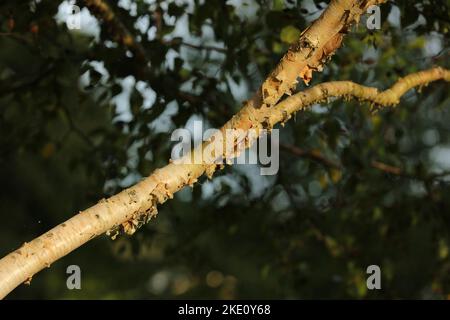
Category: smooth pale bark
[348,89]
[130,208]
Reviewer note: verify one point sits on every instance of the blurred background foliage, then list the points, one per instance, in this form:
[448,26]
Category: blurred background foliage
[85,113]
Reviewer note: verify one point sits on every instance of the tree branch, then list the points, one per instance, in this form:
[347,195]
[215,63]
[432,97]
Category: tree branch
[313,154]
[179,41]
[338,89]
[120,34]
[137,204]
[319,157]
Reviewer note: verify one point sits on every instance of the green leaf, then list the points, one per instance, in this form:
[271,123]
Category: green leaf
[289,34]
[278,5]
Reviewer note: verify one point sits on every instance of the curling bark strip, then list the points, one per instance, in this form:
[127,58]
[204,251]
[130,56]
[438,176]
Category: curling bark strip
[136,205]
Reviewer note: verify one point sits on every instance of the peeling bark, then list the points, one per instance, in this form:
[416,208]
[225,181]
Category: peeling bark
[132,207]
[136,205]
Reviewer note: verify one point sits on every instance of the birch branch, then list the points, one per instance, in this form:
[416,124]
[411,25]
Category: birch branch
[347,89]
[137,205]
[158,187]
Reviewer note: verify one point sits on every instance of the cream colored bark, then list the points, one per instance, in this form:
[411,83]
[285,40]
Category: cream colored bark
[324,91]
[137,204]
[126,208]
